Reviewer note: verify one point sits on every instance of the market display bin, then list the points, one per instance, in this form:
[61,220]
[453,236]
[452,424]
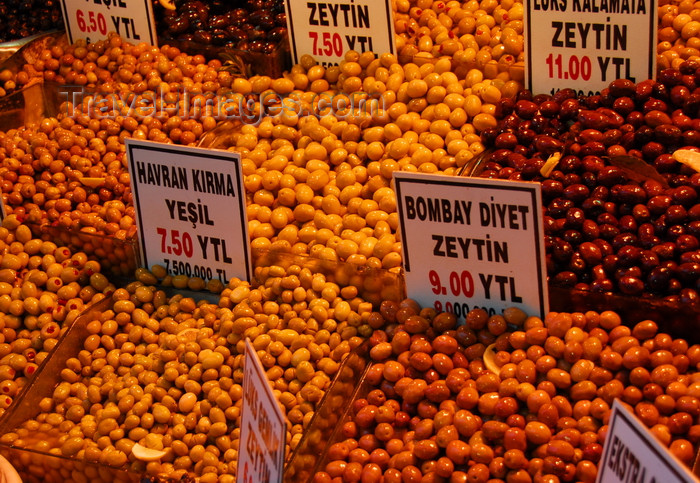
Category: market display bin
[307,457]
[29,105]
[241,62]
[326,428]
[15,401]
[117,257]
[334,410]
[37,450]
[51,466]
[35,467]
[27,48]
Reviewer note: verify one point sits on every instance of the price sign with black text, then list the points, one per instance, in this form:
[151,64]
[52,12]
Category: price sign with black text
[586,44]
[327,30]
[632,453]
[263,426]
[190,209]
[470,243]
[94,19]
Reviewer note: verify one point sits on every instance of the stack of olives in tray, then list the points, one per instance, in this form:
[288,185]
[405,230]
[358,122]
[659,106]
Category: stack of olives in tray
[255,25]
[478,403]
[621,201]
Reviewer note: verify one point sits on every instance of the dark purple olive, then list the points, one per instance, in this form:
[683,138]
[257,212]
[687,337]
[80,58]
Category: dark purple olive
[654,104]
[629,285]
[218,37]
[628,223]
[688,296]
[665,250]
[679,95]
[576,264]
[659,204]
[238,14]
[590,119]
[550,108]
[262,20]
[255,33]
[611,137]
[178,25]
[526,109]
[561,251]
[623,239]
[649,241]
[553,188]
[628,272]
[624,106]
[627,193]
[242,45]
[236,34]
[652,150]
[590,253]
[610,263]
[629,255]
[676,214]
[648,260]
[590,230]
[565,279]
[658,279]
[610,175]
[571,179]
[573,236]
[602,286]
[685,195]
[576,192]
[558,207]
[608,231]
[505,141]
[277,34]
[635,119]
[574,218]
[669,77]
[593,148]
[525,136]
[203,37]
[269,46]
[219,21]
[687,243]
[693,228]
[257,45]
[281,19]
[622,88]
[690,257]
[688,273]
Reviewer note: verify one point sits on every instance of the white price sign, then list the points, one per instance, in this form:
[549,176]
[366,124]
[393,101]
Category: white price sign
[327,30]
[263,427]
[586,44]
[470,242]
[190,209]
[94,19]
[632,453]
